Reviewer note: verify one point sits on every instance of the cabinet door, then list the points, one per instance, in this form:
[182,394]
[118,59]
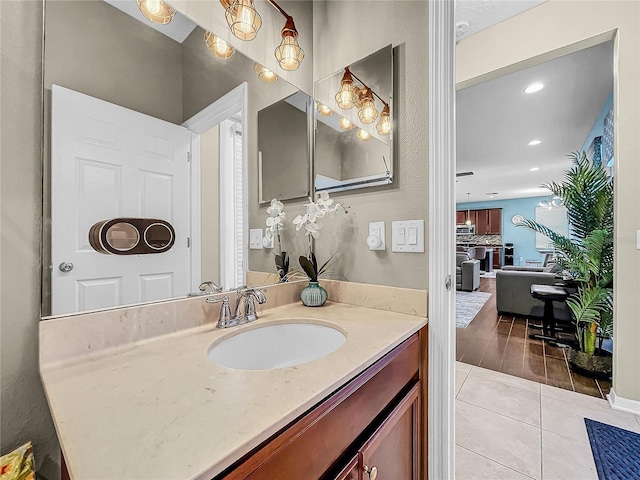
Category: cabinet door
[496,258]
[392,451]
[495,221]
[350,472]
[482,222]
[461,217]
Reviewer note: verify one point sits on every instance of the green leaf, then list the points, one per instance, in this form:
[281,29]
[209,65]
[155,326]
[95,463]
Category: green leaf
[308,268]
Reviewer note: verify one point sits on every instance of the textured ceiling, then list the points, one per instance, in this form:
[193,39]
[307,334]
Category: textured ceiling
[496,120]
[480,14]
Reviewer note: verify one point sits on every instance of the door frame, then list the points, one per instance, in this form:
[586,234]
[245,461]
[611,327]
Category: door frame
[226,107]
[441,303]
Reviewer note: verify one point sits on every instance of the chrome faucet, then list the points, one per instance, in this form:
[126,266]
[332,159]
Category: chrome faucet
[210,287]
[206,288]
[250,296]
[224,319]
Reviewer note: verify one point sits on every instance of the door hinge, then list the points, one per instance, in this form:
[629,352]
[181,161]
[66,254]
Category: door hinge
[188,156]
[188,242]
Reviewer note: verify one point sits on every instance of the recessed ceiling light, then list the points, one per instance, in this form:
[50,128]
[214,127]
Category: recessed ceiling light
[534,169]
[535,142]
[534,87]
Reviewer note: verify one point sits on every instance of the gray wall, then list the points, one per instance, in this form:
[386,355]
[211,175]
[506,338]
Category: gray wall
[95,49]
[339,41]
[24,414]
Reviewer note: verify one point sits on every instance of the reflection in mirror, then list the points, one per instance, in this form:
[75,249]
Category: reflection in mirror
[354,125]
[122,236]
[283,148]
[144,121]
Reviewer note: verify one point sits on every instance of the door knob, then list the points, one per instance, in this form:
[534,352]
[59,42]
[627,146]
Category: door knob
[66,267]
[372,471]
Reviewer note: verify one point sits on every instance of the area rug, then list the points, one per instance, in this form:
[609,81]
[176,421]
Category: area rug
[615,451]
[468,304]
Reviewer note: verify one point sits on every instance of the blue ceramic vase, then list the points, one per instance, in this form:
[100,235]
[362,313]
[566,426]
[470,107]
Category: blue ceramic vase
[313,295]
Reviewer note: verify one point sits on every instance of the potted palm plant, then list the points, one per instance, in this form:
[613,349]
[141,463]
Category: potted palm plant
[587,255]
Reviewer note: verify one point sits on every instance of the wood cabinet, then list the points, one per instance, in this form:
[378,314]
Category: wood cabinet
[392,451]
[373,421]
[487,221]
[494,221]
[497,251]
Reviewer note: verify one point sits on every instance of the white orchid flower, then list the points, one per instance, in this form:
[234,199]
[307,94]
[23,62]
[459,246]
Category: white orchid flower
[324,200]
[300,220]
[275,208]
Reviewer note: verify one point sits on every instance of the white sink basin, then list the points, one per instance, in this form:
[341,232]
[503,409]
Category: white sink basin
[276,346]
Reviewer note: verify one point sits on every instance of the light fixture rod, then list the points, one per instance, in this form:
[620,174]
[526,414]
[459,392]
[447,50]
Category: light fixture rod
[364,84]
[279,8]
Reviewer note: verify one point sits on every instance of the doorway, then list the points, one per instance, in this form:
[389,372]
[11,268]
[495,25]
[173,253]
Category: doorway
[514,134]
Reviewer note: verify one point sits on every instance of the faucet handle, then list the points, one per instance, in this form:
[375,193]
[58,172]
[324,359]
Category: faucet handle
[225,319]
[209,287]
[250,307]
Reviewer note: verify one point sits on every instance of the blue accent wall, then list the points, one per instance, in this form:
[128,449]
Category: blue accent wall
[598,127]
[523,239]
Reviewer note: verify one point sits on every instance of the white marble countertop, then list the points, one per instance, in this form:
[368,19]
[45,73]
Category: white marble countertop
[161,409]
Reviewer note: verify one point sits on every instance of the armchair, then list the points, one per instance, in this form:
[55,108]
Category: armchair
[467,273]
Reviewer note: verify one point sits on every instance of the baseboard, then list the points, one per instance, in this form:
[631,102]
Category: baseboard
[623,404]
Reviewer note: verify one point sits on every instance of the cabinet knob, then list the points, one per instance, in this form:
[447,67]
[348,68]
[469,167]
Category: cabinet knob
[372,471]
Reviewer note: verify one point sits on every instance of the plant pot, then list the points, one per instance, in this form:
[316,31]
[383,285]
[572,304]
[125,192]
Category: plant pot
[313,295]
[598,365]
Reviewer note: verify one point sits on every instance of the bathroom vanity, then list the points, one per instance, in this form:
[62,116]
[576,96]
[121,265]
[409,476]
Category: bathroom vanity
[130,400]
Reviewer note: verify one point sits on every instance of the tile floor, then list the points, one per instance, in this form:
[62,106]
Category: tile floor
[512,428]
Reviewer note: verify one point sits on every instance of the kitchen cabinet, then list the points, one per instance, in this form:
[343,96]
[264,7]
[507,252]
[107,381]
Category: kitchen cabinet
[494,222]
[497,251]
[487,221]
[373,422]
[482,222]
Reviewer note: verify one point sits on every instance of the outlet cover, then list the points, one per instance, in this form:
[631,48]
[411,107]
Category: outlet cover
[377,229]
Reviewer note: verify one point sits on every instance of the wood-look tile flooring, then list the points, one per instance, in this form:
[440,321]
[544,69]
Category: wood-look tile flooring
[502,343]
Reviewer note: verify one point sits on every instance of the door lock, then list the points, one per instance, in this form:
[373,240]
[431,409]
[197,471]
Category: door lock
[66,267]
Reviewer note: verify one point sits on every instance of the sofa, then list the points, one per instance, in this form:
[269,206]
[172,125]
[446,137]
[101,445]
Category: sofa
[467,273]
[513,293]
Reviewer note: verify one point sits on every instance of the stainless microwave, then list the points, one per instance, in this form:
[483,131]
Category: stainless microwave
[465,229]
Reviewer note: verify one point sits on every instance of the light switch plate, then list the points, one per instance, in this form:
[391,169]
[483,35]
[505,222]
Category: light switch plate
[407,236]
[377,229]
[255,239]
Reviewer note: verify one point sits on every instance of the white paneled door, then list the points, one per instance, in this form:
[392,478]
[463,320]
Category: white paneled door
[110,162]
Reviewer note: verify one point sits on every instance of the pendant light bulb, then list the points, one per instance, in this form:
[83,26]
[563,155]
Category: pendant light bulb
[346,97]
[384,125]
[345,124]
[323,109]
[264,74]
[288,53]
[156,11]
[218,47]
[368,112]
[468,220]
[363,135]
[243,19]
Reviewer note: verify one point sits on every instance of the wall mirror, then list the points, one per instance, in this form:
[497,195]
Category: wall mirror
[354,125]
[284,148]
[117,90]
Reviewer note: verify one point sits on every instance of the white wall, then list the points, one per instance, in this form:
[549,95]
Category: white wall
[535,36]
[24,414]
